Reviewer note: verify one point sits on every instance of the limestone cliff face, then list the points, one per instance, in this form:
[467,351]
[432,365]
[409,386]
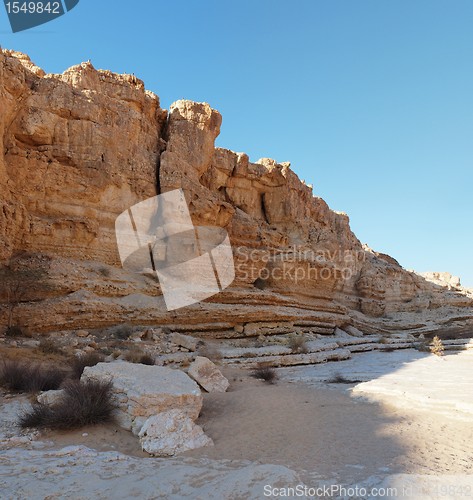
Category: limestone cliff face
[81,147]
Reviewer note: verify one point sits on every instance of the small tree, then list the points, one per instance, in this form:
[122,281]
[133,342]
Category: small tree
[17,285]
[437,347]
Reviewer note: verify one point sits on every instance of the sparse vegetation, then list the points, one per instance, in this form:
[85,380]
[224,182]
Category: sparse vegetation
[83,360]
[338,378]
[137,356]
[297,344]
[83,403]
[265,372]
[123,332]
[17,376]
[437,346]
[48,346]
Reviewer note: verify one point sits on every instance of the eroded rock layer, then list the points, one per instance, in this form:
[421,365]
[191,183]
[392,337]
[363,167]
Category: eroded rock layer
[82,147]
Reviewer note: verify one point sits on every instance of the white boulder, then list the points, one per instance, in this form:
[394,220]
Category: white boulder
[144,391]
[170,433]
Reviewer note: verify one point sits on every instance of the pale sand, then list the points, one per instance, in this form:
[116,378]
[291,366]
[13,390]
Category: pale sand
[324,430]
[311,430]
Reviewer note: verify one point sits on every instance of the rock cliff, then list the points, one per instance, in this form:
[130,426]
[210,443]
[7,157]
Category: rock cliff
[82,147]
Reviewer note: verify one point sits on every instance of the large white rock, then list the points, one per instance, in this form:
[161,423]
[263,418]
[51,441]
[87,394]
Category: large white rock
[143,391]
[207,375]
[170,433]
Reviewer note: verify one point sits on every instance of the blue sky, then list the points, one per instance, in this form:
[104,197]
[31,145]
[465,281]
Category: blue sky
[371,100]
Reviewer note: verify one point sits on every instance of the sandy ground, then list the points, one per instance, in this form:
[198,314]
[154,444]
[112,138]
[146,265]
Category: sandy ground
[323,430]
[303,429]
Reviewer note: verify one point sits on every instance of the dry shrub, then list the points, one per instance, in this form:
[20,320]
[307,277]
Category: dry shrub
[338,378]
[17,376]
[82,360]
[298,344]
[136,356]
[48,346]
[122,332]
[437,346]
[83,403]
[265,372]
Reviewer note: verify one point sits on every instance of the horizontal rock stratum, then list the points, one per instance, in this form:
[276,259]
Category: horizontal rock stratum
[81,147]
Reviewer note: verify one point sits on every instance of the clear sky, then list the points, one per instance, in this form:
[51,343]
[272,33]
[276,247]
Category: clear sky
[371,100]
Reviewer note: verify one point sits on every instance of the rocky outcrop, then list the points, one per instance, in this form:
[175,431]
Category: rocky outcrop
[82,147]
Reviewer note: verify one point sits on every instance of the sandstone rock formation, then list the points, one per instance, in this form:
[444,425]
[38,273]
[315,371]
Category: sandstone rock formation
[82,147]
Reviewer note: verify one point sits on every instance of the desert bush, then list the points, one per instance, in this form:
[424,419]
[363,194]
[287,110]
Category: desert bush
[297,344]
[122,332]
[14,331]
[265,372]
[136,356]
[338,378]
[437,347]
[83,403]
[48,346]
[17,376]
[82,360]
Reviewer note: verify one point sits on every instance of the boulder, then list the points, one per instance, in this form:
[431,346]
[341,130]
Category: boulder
[50,397]
[207,375]
[186,341]
[170,433]
[144,391]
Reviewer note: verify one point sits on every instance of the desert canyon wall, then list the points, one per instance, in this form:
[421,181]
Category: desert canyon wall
[82,147]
